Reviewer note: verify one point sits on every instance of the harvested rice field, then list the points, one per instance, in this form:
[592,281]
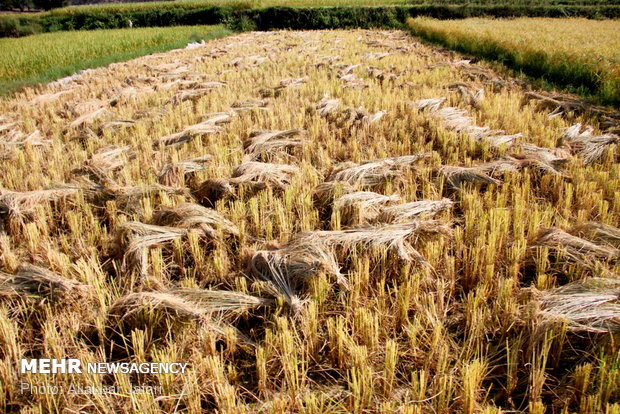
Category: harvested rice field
[317,222]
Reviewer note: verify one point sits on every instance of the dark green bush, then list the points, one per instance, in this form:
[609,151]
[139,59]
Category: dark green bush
[344,17]
[13,26]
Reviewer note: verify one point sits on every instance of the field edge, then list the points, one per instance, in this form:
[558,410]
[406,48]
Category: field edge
[9,88]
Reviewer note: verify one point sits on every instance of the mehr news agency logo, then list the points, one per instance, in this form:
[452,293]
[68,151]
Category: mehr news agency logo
[75,366]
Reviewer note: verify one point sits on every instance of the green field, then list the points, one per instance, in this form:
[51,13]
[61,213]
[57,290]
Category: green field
[578,53]
[45,57]
[196,4]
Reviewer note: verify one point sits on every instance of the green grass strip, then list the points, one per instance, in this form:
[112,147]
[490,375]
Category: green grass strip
[43,58]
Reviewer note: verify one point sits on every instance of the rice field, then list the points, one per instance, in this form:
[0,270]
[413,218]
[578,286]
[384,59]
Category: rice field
[49,56]
[575,52]
[318,222]
[136,6]
[139,6]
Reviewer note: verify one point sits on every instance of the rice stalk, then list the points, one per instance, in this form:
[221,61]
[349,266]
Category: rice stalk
[598,233]
[130,196]
[458,120]
[194,216]
[244,61]
[250,105]
[19,207]
[381,75]
[375,55]
[79,108]
[454,64]
[398,238]
[430,104]
[219,118]
[472,97]
[455,119]
[376,172]
[355,116]
[189,133]
[137,238]
[327,106]
[38,283]
[573,248]
[161,311]
[276,175]
[324,194]
[173,174]
[543,159]
[200,84]
[479,73]
[305,261]
[272,269]
[18,139]
[414,210]
[157,310]
[191,95]
[506,164]
[47,97]
[362,206]
[588,305]
[221,301]
[175,67]
[106,160]
[456,176]
[282,85]
[91,117]
[352,82]
[212,190]
[115,126]
[559,104]
[267,143]
[292,82]
[344,69]
[592,148]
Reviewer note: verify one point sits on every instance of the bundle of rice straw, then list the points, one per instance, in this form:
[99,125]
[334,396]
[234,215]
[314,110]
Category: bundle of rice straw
[590,305]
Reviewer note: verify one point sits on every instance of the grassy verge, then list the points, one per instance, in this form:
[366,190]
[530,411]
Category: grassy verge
[45,57]
[586,60]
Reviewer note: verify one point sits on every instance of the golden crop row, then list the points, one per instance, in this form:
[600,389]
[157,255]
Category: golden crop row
[575,52]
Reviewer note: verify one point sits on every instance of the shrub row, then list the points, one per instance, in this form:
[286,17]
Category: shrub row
[395,16]
[150,18]
[13,26]
[267,18]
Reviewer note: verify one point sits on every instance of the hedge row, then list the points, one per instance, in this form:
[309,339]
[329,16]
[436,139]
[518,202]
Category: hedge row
[395,16]
[288,17]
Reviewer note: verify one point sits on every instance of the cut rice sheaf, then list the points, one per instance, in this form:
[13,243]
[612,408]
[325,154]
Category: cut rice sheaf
[589,305]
